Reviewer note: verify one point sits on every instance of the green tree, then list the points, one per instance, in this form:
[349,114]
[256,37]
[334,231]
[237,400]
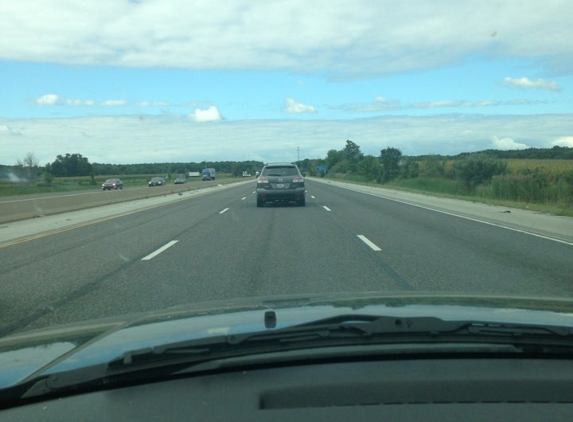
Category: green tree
[343,166]
[434,166]
[333,157]
[70,165]
[370,168]
[409,168]
[478,169]
[352,151]
[352,155]
[236,169]
[390,159]
[48,178]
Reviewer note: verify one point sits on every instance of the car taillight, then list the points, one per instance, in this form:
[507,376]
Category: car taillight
[262,180]
[298,179]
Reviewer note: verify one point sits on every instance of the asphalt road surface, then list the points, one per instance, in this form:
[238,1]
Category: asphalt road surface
[221,246]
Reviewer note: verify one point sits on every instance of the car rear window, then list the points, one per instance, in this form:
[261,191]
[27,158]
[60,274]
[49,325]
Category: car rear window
[280,171]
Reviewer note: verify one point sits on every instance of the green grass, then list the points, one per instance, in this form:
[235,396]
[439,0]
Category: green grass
[448,188]
[84,183]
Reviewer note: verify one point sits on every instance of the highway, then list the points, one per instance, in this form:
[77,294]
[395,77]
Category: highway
[221,246]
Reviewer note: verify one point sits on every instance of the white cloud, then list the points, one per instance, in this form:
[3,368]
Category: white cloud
[114,103]
[382,104]
[344,38]
[153,104]
[48,100]
[506,144]
[377,105]
[527,83]
[564,141]
[168,138]
[7,130]
[486,103]
[470,104]
[441,104]
[294,107]
[53,99]
[211,114]
[80,103]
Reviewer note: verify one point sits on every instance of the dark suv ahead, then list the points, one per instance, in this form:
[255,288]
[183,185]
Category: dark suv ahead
[280,182]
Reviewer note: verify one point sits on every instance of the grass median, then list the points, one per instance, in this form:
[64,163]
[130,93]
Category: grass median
[86,183]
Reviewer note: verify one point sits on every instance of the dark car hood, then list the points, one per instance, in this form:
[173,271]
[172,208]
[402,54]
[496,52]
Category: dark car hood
[68,347]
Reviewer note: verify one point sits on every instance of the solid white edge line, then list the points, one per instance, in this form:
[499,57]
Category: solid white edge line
[477,220]
[223,211]
[369,243]
[501,226]
[158,251]
[326,208]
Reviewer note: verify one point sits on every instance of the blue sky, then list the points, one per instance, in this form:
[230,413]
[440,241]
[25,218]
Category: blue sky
[245,80]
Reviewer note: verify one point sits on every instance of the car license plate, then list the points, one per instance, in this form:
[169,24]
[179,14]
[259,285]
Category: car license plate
[280,185]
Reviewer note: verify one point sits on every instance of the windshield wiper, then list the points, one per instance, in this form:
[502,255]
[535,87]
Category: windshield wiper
[343,330]
[349,329]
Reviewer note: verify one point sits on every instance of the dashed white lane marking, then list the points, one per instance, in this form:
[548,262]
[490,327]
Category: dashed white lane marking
[224,211]
[158,251]
[369,243]
[477,220]
[326,208]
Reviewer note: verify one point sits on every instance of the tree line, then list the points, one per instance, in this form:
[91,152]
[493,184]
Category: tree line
[76,165]
[474,168]
[485,173]
[234,168]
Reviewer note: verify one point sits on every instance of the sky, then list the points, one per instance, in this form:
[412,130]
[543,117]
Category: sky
[140,81]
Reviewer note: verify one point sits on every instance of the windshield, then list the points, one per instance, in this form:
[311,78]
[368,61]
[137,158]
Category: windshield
[435,141]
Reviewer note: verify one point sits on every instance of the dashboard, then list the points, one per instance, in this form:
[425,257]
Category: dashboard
[393,390]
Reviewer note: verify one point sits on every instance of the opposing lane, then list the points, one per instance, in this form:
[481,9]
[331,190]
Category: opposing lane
[246,251]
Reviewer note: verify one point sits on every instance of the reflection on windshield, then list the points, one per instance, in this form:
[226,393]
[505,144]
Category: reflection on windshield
[21,362]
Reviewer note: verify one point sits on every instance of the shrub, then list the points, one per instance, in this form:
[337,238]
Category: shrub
[478,169]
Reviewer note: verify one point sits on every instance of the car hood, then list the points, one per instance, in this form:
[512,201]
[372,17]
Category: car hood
[30,354]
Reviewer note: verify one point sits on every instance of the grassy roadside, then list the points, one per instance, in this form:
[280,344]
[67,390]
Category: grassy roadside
[85,183]
[451,189]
